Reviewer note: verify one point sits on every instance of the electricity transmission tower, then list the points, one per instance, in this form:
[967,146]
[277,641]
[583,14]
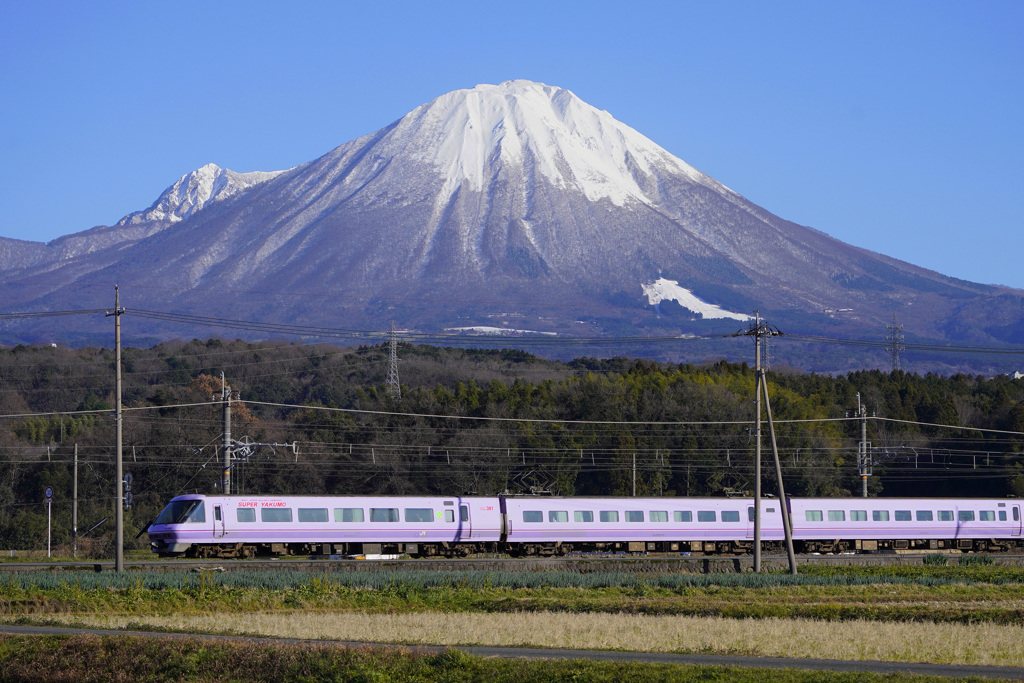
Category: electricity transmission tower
[894,342]
[394,388]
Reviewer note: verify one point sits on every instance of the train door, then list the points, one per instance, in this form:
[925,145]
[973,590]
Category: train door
[218,522]
[750,521]
[1015,511]
[465,524]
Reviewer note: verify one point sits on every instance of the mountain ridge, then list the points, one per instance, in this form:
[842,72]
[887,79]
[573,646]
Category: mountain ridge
[512,198]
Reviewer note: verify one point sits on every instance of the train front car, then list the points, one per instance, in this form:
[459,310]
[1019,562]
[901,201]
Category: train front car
[180,527]
[249,526]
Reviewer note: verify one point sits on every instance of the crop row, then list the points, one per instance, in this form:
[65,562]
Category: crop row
[423,579]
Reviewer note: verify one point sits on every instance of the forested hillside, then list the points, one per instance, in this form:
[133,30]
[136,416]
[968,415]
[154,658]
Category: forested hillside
[470,422]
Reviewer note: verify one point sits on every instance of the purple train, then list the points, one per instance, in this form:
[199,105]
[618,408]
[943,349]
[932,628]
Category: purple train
[450,526]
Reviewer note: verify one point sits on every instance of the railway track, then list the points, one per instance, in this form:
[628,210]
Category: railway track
[583,565]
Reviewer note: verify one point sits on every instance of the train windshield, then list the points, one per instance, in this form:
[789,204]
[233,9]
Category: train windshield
[182,512]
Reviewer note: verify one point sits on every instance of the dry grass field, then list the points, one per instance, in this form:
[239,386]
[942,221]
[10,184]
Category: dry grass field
[943,615]
[980,644]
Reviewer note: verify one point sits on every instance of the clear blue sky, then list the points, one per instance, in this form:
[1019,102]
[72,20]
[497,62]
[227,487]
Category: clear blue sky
[894,126]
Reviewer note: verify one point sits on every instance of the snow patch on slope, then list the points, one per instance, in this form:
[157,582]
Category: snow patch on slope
[484,329]
[663,289]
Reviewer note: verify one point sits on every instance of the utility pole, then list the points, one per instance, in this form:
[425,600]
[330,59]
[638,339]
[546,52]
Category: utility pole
[758,330]
[74,508]
[757,442]
[863,448]
[225,397]
[634,475]
[119,472]
[242,449]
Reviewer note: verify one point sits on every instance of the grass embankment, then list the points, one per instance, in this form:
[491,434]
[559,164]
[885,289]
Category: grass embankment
[87,659]
[965,615]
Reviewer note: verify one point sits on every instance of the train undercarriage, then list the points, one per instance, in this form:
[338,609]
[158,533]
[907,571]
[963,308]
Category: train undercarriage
[558,549]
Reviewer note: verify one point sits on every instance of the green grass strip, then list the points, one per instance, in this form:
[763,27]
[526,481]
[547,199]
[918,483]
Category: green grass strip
[90,658]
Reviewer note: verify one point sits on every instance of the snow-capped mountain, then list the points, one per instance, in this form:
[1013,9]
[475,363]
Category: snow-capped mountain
[195,190]
[515,204]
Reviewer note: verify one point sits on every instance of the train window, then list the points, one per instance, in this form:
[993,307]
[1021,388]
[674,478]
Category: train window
[634,515]
[682,516]
[966,515]
[181,511]
[837,515]
[987,516]
[1016,514]
[813,515]
[659,516]
[449,516]
[583,516]
[879,515]
[245,515]
[558,516]
[348,514]
[609,515]
[858,515]
[463,513]
[903,516]
[533,516]
[275,514]
[216,513]
[383,514]
[419,514]
[313,515]
[945,515]
[750,513]
[1002,515]
[706,516]
[924,515]
[730,516]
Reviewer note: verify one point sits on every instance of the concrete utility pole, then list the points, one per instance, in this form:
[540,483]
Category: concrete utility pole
[74,508]
[225,397]
[757,442]
[758,330]
[634,475]
[119,473]
[863,448]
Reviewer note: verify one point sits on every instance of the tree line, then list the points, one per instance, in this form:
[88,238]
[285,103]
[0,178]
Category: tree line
[470,422]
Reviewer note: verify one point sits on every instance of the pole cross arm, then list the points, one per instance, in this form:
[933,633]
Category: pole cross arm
[243,449]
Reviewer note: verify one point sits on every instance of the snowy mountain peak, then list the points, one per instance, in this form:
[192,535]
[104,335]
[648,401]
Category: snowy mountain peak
[195,190]
[469,134]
